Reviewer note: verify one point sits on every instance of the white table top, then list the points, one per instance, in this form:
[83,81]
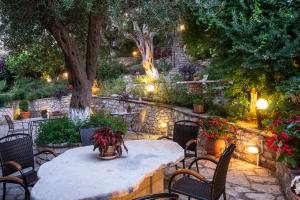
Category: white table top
[79,174]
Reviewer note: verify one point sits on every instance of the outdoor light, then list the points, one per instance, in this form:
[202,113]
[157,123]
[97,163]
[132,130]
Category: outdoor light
[164,127]
[254,150]
[182,27]
[262,104]
[163,124]
[49,80]
[150,88]
[135,53]
[65,75]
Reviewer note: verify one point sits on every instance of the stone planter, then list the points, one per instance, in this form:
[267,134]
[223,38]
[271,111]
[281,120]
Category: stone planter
[214,147]
[57,148]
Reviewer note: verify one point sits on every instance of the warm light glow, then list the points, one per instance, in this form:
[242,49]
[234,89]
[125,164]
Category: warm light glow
[135,53]
[262,104]
[65,75]
[150,88]
[163,124]
[182,27]
[253,149]
[49,80]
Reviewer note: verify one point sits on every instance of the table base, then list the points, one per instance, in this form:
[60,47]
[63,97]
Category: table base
[150,185]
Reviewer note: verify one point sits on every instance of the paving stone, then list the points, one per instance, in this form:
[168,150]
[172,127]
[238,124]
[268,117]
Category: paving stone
[241,189]
[272,189]
[261,179]
[260,196]
[238,178]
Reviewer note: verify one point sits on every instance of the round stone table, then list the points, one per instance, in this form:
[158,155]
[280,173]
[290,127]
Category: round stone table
[79,174]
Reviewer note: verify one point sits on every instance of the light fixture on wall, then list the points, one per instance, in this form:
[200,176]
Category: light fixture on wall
[65,75]
[261,104]
[150,89]
[252,149]
[135,53]
[49,80]
[181,27]
[164,127]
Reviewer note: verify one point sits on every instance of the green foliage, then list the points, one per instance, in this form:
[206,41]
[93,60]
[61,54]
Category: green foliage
[290,88]
[109,69]
[24,105]
[2,85]
[113,86]
[58,131]
[136,69]
[103,120]
[198,99]
[163,67]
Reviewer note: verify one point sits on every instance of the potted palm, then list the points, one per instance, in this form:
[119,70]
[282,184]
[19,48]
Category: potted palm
[217,131]
[24,107]
[198,104]
[109,143]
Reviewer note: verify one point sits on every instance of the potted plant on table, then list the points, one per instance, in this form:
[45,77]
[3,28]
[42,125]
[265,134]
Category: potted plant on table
[217,131]
[109,143]
[198,104]
[187,71]
[285,139]
[24,107]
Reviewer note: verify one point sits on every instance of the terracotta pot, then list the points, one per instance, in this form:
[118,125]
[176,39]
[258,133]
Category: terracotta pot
[196,78]
[198,108]
[25,115]
[214,147]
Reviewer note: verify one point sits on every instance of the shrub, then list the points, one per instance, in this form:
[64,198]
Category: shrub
[24,106]
[114,86]
[110,69]
[58,131]
[103,120]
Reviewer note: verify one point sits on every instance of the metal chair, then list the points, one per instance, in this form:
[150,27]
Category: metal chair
[186,135]
[194,185]
[159,196]
[86,134]
[12,126]
[17,181]
[16,154]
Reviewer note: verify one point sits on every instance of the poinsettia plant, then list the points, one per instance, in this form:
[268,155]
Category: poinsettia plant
[218,128]
[285,139]
[105,137]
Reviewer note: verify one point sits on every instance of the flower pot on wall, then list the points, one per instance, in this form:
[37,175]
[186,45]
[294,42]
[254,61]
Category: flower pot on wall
[215,147]
[198,108]
[25,115]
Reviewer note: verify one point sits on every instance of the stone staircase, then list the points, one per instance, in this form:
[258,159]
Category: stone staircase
[179,56]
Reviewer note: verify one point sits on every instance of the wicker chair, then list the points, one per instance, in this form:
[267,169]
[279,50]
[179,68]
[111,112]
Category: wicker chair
[85,136]
[17,181]
[186,135]
[16,154]
[194,185]
[159,196]
[12,126]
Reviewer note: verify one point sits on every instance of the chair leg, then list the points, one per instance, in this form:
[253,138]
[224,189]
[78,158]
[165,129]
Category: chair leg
[4,190]
[224,195]
[183,164]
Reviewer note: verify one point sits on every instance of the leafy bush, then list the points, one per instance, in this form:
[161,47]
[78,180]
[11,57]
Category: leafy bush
[110,69]
[2,85]
[163,66]
[136,69]
[24,106]
[103,120]
[114,86]
[58,131]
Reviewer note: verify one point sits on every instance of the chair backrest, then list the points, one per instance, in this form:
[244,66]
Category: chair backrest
[18,148]
[9,122]
[184,131]
[86,134]
[219,179]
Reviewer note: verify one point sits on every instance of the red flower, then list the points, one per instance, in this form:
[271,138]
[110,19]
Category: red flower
[271,143]
[284,136]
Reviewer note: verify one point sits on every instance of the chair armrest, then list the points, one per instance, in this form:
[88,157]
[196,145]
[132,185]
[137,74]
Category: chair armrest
[11,179]
[202,158]
[164,137]
[159,196]
[189,143]
[45,151]
[14,164]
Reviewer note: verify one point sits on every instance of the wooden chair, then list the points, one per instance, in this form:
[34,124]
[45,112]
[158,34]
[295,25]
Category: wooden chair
[186,135]
[194,185]
[85,136]
[16,154]
[159,196]
[12,126]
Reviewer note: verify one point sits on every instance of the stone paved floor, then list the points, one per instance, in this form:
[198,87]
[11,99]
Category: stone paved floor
[245,181]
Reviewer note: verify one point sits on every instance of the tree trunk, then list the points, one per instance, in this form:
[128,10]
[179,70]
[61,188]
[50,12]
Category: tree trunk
[148,60]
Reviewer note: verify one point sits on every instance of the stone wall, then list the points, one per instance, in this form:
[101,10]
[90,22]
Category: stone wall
[157,119]
[285,176]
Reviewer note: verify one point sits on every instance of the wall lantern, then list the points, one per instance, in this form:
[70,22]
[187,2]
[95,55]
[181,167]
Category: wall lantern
[135,54]
[164,127]
[49,80]
[150,89]
[251,149]
[262,104]
[65,75]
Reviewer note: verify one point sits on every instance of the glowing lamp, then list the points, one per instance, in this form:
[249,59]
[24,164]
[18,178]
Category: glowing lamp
[262,104]
[182,27]
[163,124]
[150,88]
[65,75]
[49,80]
[253,150]
[135,53]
